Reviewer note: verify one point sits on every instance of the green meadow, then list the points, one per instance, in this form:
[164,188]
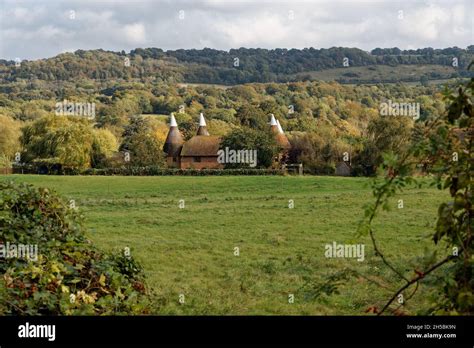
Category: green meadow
[281,250]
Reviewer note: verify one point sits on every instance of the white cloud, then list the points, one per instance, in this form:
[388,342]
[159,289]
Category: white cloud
[253,31]
[425,24]
[134,33]
[42,28]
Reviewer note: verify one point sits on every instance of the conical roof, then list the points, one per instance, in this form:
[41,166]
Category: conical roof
[279,127]
[280,136]
[202,130]
[173,122]
[273,121]
[282,140]
[174,140]
[274,124]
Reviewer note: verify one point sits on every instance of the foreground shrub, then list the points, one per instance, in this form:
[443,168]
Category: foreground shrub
[68,275]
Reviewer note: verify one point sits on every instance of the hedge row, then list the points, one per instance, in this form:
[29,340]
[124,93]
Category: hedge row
[156,171]
[141,171]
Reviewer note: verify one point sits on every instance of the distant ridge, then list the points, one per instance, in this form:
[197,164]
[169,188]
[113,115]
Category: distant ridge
[245,65]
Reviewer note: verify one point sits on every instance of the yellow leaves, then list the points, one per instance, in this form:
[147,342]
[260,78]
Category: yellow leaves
[55,268]
[35,271]
[8,279]
[86,298]
[105,141]
[120,294]
[64,289]
[9,136]
[160,132]
[102,280]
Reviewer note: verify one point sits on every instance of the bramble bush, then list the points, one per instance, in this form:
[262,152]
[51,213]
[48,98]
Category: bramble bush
[70,276]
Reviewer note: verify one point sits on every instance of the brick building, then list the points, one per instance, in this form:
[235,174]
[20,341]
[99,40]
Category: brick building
[201,151]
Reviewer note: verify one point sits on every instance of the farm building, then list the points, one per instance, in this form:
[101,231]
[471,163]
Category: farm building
[201,151]
[198,152]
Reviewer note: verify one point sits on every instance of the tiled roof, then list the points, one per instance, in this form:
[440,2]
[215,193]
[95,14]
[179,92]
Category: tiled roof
[201,145]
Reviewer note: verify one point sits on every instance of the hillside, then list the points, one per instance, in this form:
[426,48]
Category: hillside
[237,66]
[323,119]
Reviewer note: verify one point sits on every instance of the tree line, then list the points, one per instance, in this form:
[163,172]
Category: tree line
[236,66]
[325,122]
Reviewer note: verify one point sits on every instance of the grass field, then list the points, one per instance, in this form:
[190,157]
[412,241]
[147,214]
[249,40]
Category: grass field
[383,73]
[190,251]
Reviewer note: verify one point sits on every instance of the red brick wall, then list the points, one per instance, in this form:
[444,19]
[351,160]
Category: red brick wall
[209,162]
[171,163]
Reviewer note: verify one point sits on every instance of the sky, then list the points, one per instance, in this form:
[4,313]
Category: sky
[36,29]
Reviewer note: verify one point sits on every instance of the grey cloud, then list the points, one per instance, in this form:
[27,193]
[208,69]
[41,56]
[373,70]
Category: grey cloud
[36,29]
